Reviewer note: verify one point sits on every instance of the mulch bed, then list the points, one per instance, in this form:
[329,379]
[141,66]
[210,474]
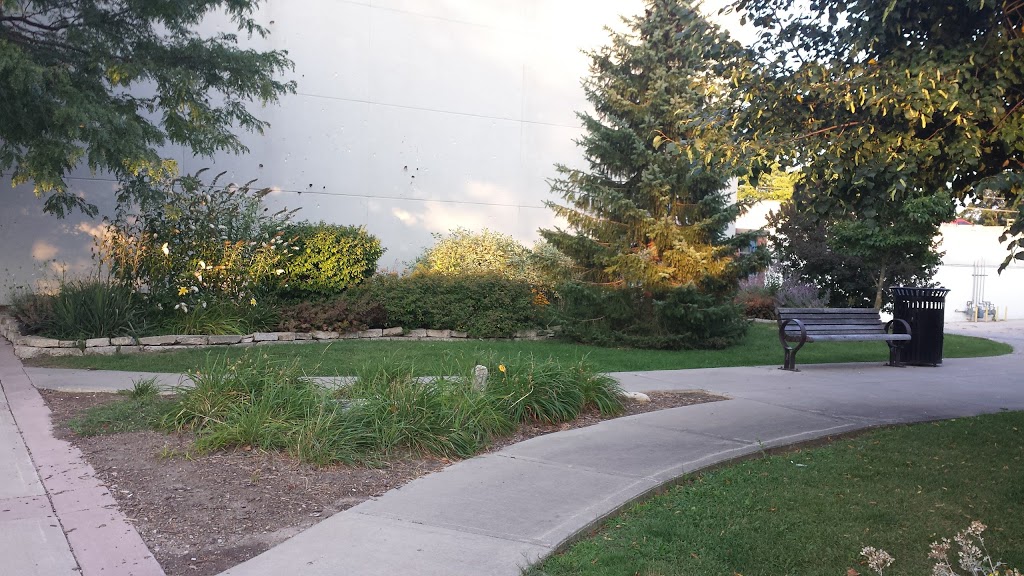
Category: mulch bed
[202,514]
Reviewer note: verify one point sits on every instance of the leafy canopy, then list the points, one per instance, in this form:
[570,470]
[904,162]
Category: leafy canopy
[106,83]
[885,101]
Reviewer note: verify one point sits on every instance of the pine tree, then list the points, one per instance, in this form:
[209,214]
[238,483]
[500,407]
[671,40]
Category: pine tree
[651,209]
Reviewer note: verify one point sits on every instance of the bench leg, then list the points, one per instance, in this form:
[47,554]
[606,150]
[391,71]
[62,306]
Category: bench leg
[896,355]
[789,362]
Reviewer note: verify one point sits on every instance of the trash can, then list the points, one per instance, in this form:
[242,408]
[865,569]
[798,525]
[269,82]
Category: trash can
[925,310]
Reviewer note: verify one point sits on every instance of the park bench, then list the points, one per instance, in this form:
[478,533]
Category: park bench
[802,325]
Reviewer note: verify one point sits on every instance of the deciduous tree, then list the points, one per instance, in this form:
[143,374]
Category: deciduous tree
[104,83]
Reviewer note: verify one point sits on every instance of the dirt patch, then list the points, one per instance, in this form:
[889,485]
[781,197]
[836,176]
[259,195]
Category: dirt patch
[202,514]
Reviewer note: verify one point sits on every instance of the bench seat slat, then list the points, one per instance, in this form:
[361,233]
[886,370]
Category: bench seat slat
[835,325]
[854,337]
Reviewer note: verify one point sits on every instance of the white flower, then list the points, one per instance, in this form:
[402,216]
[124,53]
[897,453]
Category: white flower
[279,271]
[165,249]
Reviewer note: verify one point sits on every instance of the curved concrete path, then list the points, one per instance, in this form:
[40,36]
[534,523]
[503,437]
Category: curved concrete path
[496,513]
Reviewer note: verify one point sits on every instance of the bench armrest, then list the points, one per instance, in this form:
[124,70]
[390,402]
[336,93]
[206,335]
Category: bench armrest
[889,328]
[782,333]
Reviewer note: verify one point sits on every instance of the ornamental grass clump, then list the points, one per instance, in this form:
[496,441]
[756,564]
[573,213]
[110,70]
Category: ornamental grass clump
[258,402]
[444,416]
[549,391]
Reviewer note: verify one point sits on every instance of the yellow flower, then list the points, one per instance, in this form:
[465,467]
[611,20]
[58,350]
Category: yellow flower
[165,249]
[182,291]
[501,368]
[252,301]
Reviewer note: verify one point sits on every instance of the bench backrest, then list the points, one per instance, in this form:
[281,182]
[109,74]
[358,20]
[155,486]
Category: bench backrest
[838,321]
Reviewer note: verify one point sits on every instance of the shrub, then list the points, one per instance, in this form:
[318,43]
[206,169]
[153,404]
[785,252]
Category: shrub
[482,306]
[757,301]
[356,312]
[797,294]
[82,309]
[185,242]
[676,318]
[328,258]
[488,253]
[32,310]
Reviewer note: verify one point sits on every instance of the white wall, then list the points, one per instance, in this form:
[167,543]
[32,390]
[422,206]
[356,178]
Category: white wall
[412,117]
[966,245]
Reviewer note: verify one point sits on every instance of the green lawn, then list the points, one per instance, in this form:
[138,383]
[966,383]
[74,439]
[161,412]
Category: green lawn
[344,357]
[810,512]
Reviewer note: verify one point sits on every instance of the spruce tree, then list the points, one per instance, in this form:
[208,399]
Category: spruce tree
[651,209]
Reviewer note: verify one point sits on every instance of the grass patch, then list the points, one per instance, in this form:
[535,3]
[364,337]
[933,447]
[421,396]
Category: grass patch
[143,408]
[760,347]
[812,511]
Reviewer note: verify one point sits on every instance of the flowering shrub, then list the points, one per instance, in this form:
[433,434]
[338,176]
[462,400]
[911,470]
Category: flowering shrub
[187,243]
[796,294]
[972,556]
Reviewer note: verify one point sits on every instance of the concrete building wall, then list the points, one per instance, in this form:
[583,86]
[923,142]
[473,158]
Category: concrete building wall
[412,117]
[968,246]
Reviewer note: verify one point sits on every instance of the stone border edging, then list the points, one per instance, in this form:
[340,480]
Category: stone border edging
[34,346]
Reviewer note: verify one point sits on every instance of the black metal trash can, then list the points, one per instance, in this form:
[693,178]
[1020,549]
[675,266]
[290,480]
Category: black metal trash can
[925,310]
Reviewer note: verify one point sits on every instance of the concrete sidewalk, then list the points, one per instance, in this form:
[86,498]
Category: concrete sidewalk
[498,512]
[56,517]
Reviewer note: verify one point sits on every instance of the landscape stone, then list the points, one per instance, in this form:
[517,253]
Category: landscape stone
[39,342]
[479,377]
[129,349]
[247,339]
[285,336]
[457,334]
[371,333]
[163,348]
[69,344]
[192,340]
[26,352]
[439,333]
[61,351]
[526,335]
[323,335]
[397,331]
[417,333]
[166,340]
[101,351]
[96,342]
[224,339]
[122,341]
[264,337]
[303,336]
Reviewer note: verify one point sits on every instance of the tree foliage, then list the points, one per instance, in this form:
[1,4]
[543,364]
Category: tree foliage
[105,83]
[649,210]
[854,259]
[883,101]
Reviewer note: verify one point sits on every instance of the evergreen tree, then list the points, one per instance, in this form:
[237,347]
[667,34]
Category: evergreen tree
[652,209]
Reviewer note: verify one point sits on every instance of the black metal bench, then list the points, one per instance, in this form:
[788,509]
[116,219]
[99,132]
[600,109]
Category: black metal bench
[802,325]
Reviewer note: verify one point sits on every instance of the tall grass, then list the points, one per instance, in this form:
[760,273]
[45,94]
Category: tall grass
[265,403]
[82,309]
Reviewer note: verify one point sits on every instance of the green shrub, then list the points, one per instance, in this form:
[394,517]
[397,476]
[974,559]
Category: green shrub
[482,306]
[82,309]
[675,318]
[329,258]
